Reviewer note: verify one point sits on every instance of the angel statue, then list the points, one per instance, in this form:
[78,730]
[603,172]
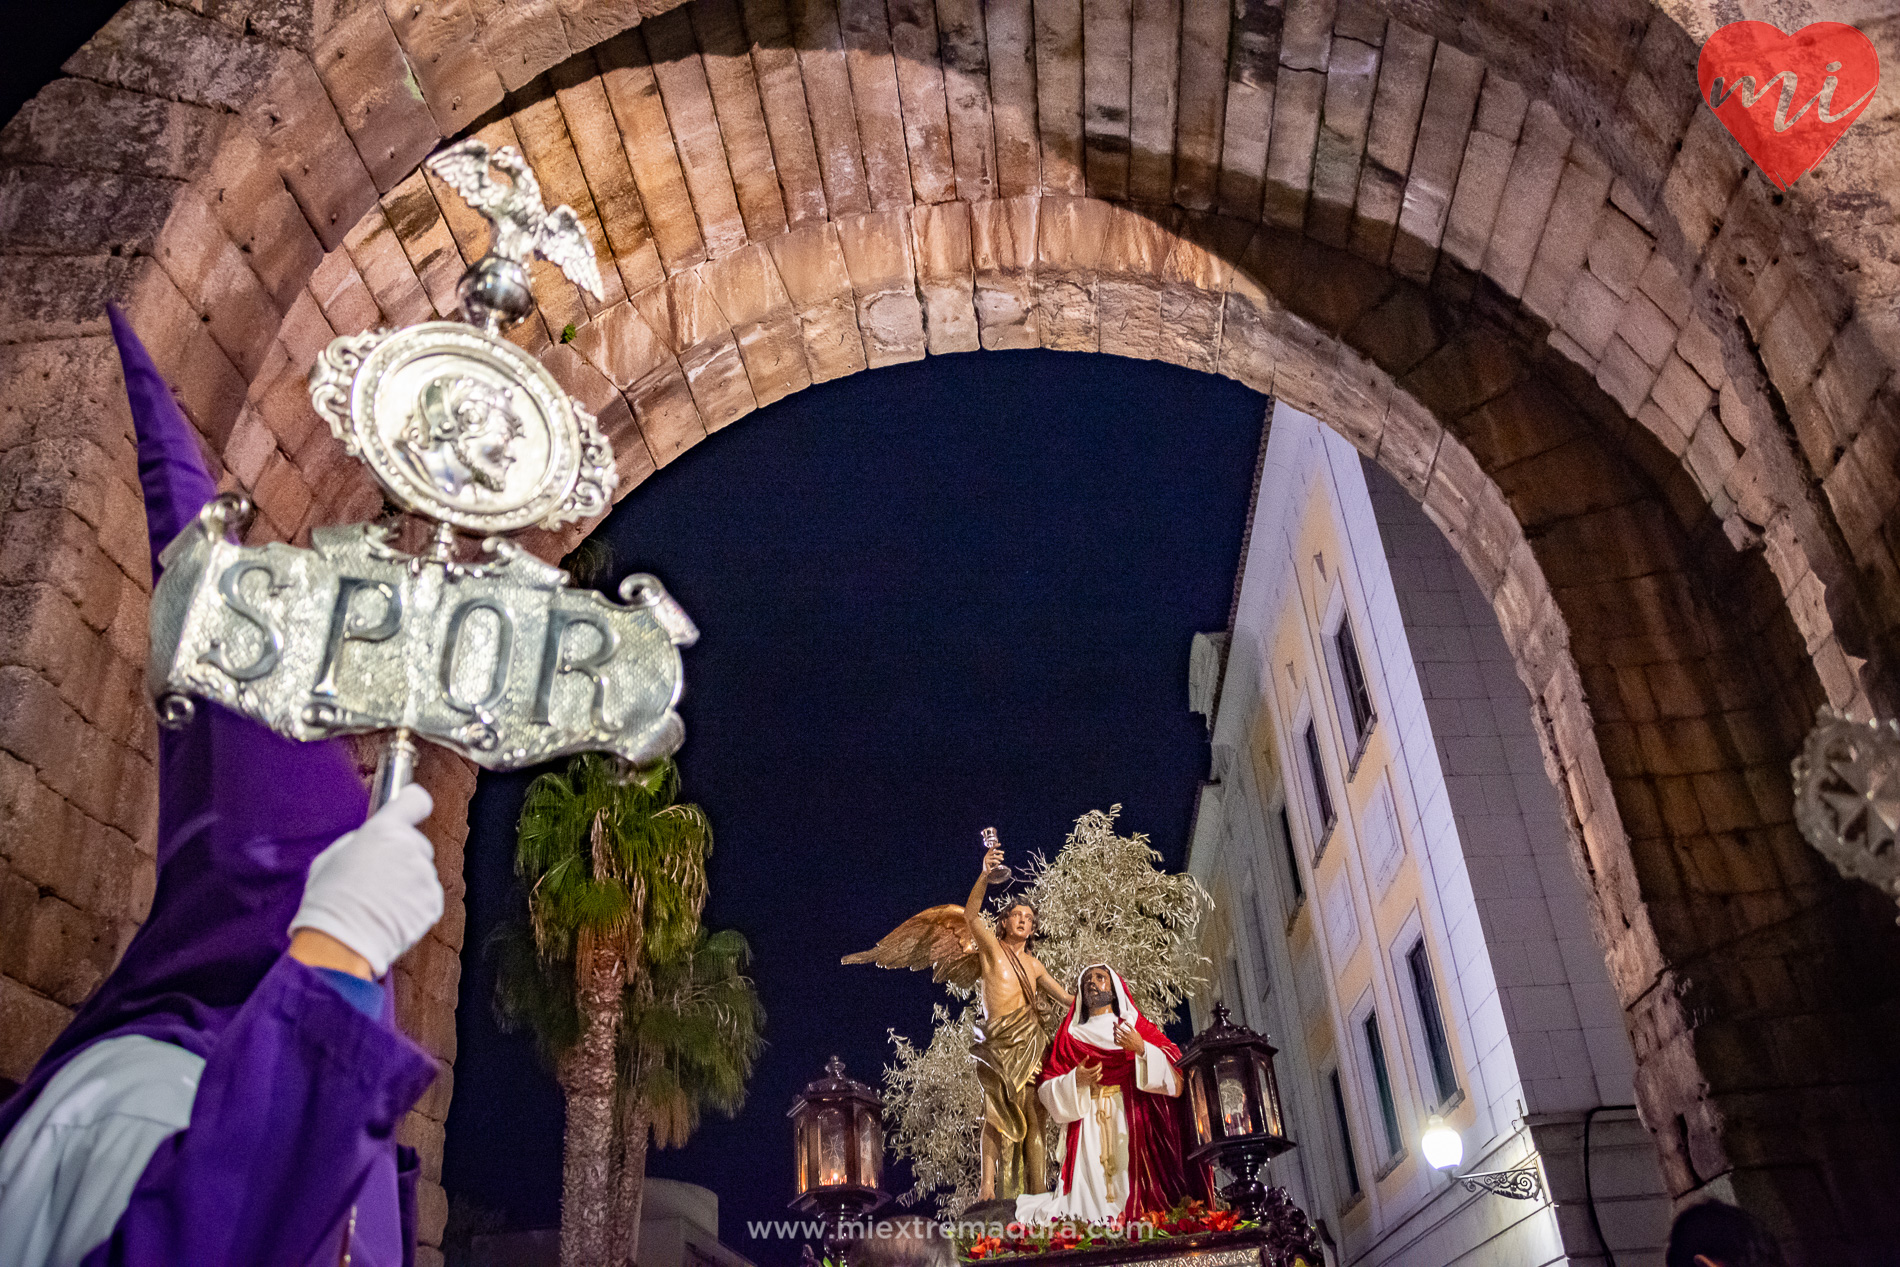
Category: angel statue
[1011,1042]
[495,292]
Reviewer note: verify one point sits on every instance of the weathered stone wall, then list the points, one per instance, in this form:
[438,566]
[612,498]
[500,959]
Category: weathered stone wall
[1647,397]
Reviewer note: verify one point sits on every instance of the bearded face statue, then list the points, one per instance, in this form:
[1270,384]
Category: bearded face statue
[461,435]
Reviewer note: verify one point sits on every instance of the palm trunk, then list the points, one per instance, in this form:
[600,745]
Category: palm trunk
[587,1077]
[630,1178]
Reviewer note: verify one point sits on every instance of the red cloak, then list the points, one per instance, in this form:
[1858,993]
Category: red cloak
[1157,1182]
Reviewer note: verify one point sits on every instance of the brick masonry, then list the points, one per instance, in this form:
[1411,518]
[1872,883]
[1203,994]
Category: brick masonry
[1648,399]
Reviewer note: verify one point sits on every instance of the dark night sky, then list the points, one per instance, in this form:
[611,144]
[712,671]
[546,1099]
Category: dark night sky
[940,596]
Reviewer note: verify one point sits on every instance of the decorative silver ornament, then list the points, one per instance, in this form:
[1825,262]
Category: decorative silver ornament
[464,427]
[498,659]
[1847,797]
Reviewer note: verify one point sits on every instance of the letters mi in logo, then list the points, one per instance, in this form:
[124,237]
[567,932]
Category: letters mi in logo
[1788,98]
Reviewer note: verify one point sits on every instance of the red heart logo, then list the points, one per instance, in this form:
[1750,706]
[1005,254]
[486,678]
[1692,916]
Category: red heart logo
[1788,98]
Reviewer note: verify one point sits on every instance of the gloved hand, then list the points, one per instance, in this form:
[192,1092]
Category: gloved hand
[375,890]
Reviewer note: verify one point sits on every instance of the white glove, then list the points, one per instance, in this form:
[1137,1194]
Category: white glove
[375,890]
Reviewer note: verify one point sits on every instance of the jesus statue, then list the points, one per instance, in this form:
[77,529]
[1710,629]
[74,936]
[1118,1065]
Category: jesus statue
[1110,1077]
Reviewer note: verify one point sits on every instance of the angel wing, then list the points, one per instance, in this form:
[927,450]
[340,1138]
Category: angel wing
[562,241]
[936,938]
[464,168]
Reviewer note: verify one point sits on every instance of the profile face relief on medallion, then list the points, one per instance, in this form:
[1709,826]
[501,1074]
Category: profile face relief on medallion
[455,422]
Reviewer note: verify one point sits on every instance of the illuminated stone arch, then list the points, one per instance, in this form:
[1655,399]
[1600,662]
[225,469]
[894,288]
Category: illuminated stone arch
[1634,385]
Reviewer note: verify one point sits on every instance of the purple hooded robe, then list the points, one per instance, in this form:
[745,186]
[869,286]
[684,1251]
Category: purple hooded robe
[292,1130]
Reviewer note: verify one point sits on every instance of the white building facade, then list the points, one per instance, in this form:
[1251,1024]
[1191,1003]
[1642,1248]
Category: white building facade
[1396,904]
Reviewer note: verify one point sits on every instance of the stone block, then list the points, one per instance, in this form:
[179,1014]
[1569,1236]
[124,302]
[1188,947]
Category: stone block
[386,271]
[521,38]
[1796,338]
[1529,190]
[427,1137]
[1568,231]
[877,256]
[1474,205]
[369,80]
[432,1214]
[669,420]
[29,1022]
[1351,81]
[1590,315]
[419,225]
[767,36]
[726,50]
[165,51]
[51,210]
[1682,394]
[53,845]
[1647,330]
[1438,159]
[294,118]
[1059,72]
[1203,67]
[1002,254]
[627,237]
[622,346]
[212,273]
[430,1022]
[342,297]
[833,113]
[1703,351]
[1619,252]
[1408,444]
[76,124]
[940,239]
[913,37]
[634,94]
[1296,104]
[441,41]
[864,31]
[696,137]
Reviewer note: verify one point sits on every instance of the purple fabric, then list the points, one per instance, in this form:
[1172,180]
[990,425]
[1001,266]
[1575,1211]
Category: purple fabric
[241,813]
[293,1124]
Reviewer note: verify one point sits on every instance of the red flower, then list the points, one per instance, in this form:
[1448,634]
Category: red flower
[1222,1220]
[983,1247]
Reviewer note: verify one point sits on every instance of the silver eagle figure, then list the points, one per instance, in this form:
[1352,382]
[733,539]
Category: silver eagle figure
[495,292]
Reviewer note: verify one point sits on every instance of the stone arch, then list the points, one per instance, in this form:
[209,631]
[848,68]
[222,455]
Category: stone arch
[1545,344]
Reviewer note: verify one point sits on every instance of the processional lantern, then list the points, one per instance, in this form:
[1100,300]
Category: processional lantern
[1234,1108]
[838,1138]
[497,657]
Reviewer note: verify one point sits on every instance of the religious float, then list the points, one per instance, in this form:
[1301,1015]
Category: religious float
[1097,1139]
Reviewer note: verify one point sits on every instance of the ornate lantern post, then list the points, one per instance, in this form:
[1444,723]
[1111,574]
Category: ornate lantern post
[1234,1108]
[838,1143]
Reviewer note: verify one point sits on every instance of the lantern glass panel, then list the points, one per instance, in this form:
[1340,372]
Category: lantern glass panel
[1269,1093]
[834,1138]
[1203,1125]
[1230,1075]
[807,1130]
[870,1148]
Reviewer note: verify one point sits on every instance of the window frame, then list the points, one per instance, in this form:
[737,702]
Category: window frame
[1431,1024]
[1292,858]
[1319,797]
[1385,1112]
[1357,734]
[1342,1122]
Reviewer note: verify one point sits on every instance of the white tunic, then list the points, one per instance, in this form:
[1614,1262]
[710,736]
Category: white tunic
[1098,1190]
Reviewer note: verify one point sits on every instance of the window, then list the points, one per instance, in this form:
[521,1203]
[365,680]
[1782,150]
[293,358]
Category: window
[1382,1081]
[1345,1135]
[1322,799]
[1292,861]
[1356,699]
[1444,1077]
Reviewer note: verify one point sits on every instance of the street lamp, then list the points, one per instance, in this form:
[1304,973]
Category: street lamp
[839,1145]
[1444,1148]
[1234,1108]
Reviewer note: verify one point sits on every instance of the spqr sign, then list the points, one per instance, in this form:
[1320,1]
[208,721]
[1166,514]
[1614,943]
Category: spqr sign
[499,659]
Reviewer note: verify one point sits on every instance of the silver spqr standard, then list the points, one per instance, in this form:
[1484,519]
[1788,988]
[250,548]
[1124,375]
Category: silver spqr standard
[497,658]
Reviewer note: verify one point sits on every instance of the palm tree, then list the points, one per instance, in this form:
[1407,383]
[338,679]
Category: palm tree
[690,1034]
[616,877]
